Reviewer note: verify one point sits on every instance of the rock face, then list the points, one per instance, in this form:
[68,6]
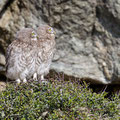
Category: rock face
[88,34]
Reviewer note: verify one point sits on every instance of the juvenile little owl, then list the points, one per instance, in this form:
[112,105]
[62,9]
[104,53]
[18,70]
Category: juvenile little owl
[30,54]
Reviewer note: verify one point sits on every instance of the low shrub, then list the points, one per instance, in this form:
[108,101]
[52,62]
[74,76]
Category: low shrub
[57,100]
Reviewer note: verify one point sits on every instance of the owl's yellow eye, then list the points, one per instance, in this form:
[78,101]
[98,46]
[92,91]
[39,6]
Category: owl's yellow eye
[33,33]
[51,30]
[34,36]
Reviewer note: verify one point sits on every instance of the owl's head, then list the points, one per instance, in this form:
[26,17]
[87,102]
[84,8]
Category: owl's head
[25,34]
[46,32]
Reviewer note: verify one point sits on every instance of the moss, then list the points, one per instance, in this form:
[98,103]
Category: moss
[57,100]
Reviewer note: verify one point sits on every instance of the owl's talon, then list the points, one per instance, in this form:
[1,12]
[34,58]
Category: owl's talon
[18,81]
[25,80]
[42,77]
[35,76]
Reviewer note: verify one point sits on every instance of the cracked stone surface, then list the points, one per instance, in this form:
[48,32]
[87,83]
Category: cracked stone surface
[88,34]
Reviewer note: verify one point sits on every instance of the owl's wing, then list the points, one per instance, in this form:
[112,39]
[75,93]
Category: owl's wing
[13,50]
[8,54]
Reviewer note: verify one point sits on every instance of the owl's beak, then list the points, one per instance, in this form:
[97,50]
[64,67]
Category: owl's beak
[54,33]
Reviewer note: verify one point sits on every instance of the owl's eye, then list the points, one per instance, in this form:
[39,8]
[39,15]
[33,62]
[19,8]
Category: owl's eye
[51,30]
[33,34]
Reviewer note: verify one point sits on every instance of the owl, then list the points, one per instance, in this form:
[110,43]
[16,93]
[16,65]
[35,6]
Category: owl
[30,54]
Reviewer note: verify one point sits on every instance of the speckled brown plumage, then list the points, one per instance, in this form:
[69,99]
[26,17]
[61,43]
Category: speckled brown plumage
[30,54]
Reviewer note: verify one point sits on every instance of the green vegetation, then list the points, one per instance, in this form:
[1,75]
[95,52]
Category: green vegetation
[58,100]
